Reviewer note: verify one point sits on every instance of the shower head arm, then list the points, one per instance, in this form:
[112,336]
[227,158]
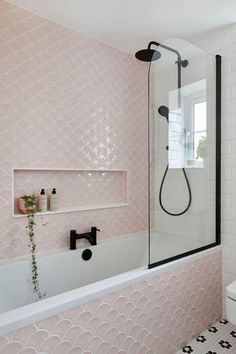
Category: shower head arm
[180,63]
[167,48]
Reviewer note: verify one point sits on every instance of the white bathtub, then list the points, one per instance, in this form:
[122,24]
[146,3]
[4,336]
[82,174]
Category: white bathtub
[70,281]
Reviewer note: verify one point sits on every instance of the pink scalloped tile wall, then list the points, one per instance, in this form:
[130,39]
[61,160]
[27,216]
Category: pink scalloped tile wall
[156,316]
[68,101]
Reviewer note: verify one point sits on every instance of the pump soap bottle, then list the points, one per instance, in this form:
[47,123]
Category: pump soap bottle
[54,200]
[43,201]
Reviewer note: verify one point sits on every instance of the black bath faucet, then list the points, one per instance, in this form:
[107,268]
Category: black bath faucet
[90,236]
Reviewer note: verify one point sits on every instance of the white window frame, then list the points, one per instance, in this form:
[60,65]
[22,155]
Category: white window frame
[190,101]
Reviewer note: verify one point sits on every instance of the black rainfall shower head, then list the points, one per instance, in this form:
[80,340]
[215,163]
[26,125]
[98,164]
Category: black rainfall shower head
[147,55]
[164,112]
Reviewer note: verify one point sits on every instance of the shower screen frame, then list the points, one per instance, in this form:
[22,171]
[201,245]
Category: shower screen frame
[218,60]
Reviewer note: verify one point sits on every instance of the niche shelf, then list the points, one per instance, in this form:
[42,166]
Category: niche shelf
[78,189]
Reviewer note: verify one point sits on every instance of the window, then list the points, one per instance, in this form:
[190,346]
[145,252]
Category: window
[187,126]
[196,126]
[199,130]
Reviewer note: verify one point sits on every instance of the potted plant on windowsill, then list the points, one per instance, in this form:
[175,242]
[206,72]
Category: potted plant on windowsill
[201,148]
[198,161]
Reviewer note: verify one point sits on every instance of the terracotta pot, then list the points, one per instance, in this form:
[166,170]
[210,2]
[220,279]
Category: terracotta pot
[23,209]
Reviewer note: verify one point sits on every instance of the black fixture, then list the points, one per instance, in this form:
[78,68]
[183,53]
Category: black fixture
[150,55]
[218,149]
[90,236]
[164,112]
[147,55]
[86,254]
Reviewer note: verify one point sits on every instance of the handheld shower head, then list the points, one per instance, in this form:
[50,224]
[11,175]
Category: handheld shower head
[164,112]
[147,55]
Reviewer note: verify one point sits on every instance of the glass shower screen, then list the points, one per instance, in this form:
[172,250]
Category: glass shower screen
[184,140]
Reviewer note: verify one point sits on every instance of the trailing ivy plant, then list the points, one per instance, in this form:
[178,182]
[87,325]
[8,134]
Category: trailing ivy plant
[30,205]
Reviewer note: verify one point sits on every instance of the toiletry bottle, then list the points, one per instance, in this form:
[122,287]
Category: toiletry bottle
[43,201]
[54,200]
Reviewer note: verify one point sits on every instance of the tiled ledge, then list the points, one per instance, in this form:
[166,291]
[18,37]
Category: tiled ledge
[72,210]
[78,189]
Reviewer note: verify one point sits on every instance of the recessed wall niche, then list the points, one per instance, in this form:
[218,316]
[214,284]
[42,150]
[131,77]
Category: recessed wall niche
[77,189]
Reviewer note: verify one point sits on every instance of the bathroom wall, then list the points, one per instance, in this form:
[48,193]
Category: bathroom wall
[59,90]
[158,315]
[223,42]
[68,102]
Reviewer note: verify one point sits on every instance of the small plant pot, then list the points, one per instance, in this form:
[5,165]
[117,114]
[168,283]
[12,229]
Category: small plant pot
[23,209]
[191,163]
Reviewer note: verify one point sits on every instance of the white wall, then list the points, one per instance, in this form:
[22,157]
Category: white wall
[224,43]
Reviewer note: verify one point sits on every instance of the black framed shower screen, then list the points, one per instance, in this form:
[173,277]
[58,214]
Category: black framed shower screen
[152,262]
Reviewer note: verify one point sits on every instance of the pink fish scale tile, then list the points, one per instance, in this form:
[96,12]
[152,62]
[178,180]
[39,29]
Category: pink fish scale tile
[153,323]
[83,113]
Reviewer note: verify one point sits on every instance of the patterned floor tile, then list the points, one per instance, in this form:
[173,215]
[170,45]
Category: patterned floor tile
[218,339]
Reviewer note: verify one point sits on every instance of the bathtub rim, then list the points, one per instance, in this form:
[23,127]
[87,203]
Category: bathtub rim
[25,315]
[66,250]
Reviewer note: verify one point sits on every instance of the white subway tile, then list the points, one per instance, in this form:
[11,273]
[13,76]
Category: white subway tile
[228,213]
[226,120]
[229,267]
[226,147]
[227,279]
[233,231]
[226,174]
[233,64]
[227,253]
[228,133]
[233,200]
[228,239]
[229,107]
[228,52]
[227,66]
[229,187]
[233,146]
[233,174]
[228,80]
[233,34]
[233,254]
[225,226]
[226,200]
[233,91]
[226,94]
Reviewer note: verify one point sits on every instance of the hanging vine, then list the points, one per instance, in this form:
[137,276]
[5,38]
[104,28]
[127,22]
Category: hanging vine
[30,205]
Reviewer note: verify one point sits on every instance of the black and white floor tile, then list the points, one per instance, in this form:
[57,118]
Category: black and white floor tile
[218,339]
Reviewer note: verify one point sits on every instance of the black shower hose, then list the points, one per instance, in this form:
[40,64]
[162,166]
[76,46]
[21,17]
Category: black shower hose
[189,193]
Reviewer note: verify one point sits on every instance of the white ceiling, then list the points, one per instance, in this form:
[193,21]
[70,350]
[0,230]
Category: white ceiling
[130,24]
